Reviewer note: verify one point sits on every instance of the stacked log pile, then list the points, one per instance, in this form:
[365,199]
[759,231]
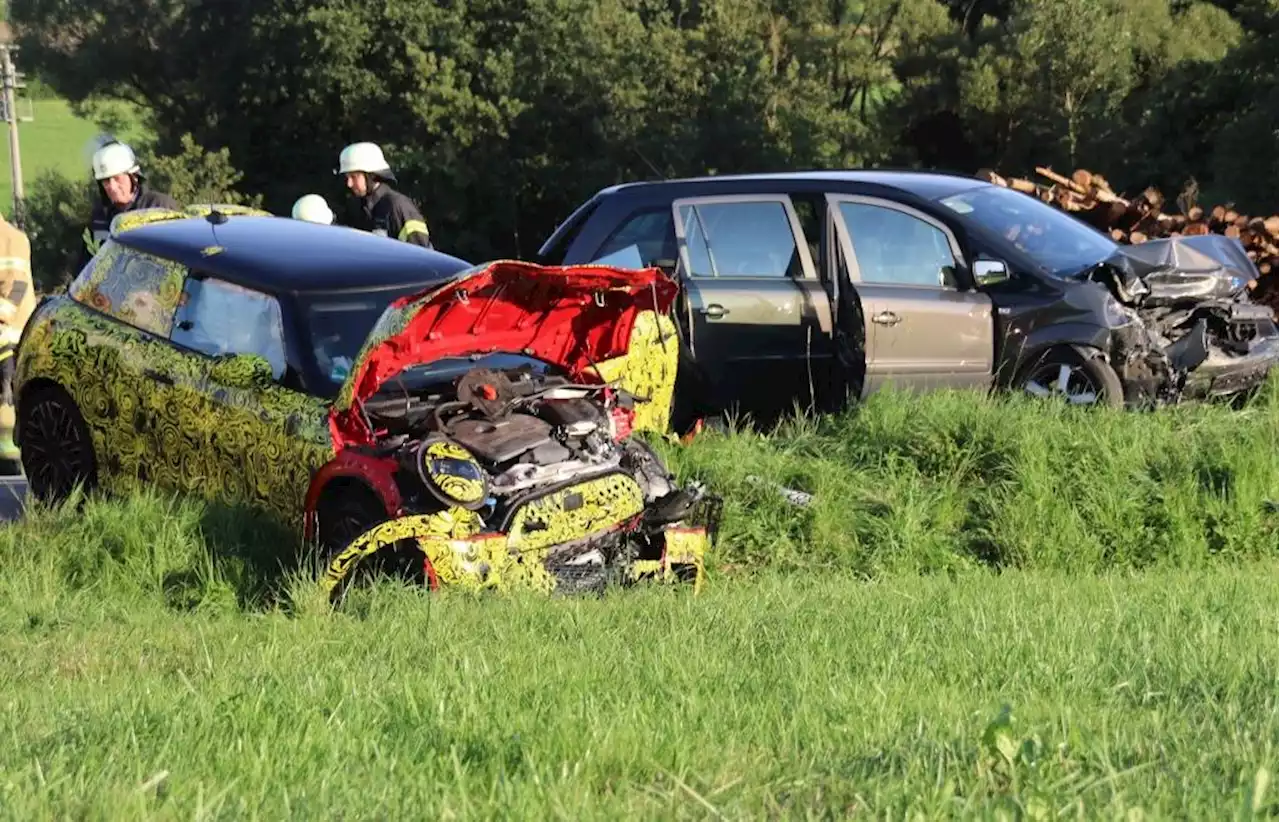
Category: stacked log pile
[1089,197]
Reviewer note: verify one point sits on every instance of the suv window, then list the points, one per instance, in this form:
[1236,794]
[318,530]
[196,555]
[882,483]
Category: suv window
[554,253]
[740,239]
[645,238]
[217,318]
[133,287]
[892,247]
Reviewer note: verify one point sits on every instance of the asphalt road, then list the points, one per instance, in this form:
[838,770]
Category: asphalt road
[13,489]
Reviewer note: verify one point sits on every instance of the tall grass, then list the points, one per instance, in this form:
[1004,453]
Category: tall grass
[167,659]
[953,480]
[793,696]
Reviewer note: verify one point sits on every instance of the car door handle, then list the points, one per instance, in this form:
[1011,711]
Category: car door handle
[886,318]
[714,311]
[158,376]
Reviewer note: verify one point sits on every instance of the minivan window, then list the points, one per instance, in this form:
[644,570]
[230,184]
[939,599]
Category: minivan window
[740,239]
[893,247]
[645,238]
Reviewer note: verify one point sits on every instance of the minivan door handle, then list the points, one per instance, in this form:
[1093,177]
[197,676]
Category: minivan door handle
[714,311]
[886,318]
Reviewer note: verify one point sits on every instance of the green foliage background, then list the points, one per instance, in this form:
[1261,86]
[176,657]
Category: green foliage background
[501,116]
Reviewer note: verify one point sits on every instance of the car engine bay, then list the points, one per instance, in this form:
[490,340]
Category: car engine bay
[531,433]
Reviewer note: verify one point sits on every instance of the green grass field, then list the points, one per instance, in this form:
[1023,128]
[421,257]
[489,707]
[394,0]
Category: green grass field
[1111,577]
[55,139]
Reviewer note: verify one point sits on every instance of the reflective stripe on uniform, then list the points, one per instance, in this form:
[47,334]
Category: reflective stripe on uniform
[15,262]
[7,310]
[413,227]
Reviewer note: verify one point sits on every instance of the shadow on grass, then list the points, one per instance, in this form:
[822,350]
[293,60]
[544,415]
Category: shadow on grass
[251,555]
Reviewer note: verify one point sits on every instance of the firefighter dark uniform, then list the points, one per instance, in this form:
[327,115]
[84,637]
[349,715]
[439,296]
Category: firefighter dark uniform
[17,302]
[104,211]
[381,209]
[113,160]
[387,212]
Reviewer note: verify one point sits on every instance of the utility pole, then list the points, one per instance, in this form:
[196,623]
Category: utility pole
[11,114]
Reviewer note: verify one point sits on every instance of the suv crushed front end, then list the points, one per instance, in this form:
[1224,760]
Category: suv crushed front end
[1185,328]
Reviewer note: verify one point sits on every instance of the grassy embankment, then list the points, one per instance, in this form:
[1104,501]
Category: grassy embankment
[848,658]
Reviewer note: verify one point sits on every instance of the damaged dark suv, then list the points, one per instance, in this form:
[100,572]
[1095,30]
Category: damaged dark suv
[805,286]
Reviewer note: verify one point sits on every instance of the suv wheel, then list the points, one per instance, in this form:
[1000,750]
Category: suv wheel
[1063,374]
[57,451]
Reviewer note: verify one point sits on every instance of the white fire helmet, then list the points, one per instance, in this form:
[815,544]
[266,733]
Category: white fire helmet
[313,209]
[366,157]
[113,159]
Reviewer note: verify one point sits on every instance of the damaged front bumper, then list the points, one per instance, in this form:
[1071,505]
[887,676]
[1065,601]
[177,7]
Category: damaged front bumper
[455,554]
[1181,324]
[1198,365]
[1233,357]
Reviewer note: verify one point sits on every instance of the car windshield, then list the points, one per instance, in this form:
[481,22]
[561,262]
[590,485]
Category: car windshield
[1060,243]
[339,325]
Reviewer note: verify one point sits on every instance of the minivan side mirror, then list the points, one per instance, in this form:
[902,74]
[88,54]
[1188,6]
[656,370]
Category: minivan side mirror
[990,272]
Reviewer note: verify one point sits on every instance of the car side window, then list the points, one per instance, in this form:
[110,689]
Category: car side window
[135,288]
[216,317]
[740,239]
[892,247]
[641,241]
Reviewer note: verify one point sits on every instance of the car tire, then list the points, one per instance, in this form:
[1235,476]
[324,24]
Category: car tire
[347,510]
[1066,373]
[57,448]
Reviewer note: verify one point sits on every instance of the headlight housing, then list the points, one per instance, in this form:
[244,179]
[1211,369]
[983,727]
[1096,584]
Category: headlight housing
[451,474]
[1117,313]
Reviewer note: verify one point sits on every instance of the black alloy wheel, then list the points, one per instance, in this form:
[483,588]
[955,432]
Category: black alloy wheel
[57,450]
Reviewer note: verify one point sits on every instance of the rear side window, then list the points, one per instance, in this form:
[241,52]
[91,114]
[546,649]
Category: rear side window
[133,287]
[557,246]
[740,239]
[218,318]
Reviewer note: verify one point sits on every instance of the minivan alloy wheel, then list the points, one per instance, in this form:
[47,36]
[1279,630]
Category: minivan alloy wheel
[1069,382]
[1065,374]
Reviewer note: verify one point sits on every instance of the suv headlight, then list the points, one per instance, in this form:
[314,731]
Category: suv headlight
[1117,313]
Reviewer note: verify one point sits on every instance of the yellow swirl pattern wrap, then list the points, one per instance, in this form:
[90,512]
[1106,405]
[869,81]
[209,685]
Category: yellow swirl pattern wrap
[648,370]
[445,465]
[252,446]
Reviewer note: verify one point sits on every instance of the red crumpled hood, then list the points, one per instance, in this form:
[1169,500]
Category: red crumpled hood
[570,316]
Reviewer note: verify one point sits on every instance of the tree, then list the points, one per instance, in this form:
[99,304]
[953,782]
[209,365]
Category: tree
[1053,82]
[500,115]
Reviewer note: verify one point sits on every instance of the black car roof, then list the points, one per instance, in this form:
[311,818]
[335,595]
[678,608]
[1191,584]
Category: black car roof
[280,254]
[929,185]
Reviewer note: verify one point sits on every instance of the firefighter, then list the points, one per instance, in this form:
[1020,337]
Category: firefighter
[121,188]
[383,210]
[313,209]
[17,301]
